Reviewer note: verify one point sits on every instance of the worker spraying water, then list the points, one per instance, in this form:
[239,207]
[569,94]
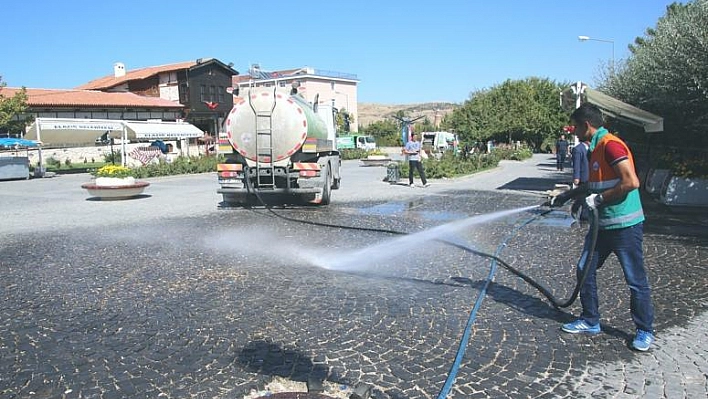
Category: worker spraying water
[613,193]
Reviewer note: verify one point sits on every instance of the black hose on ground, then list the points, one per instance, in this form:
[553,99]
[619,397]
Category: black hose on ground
[588,250]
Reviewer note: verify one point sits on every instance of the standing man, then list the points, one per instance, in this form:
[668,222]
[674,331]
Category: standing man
[561,152]
[579,155]
[413,149]
[613,191]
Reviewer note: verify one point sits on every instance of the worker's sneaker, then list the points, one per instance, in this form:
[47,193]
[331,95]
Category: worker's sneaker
[643,340]
[426,185]
[581,326]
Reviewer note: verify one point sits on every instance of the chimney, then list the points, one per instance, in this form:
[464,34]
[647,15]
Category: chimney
[118,69]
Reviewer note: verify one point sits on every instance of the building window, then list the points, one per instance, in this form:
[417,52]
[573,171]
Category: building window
[331,84]
[212,93]
[221,94]
[183,93]
[202,93]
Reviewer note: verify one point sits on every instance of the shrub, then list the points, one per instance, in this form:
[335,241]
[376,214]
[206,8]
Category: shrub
[682,164]
[449,166]
[53,162]
[513,153]
[180,165]
[356,153]
[113,158]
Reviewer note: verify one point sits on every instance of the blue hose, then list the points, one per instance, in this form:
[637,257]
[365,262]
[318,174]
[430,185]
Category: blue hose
[473,315]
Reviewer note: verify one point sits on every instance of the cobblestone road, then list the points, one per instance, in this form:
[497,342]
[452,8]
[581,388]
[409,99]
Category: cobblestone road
[168,296]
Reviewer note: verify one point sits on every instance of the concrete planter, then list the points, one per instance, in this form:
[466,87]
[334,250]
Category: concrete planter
[115,181]
[375,160]
[681,191]
[111,188]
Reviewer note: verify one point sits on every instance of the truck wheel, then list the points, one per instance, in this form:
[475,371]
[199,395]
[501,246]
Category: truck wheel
[327,189]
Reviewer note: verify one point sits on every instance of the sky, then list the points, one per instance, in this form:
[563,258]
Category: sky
[402,52]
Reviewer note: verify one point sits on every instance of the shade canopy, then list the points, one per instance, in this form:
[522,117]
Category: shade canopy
[162,130]
[72,132]
[83,132]
[579,92]
[623,111]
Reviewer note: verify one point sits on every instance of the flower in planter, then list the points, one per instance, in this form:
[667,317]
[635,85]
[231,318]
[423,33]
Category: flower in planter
[116,171]
[114,175]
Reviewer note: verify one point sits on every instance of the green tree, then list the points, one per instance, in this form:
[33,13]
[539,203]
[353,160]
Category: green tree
[344,120]
[516,110]
[12,110]
[425,126]
[667,72]
[386,132]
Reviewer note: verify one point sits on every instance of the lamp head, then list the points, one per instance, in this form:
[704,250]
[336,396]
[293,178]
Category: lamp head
[583,38]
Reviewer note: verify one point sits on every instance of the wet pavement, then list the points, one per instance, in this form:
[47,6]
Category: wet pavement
[170,296]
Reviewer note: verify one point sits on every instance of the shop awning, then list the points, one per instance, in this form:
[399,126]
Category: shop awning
[623,111]
[53,132]
[72,132]
[162,130]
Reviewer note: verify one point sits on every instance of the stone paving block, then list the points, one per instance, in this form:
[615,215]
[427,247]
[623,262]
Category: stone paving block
[194,316]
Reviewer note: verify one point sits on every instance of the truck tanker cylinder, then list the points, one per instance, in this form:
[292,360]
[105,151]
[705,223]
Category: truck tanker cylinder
[284,121]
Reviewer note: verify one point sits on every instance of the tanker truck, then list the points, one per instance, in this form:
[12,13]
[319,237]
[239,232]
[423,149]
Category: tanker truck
[277,147]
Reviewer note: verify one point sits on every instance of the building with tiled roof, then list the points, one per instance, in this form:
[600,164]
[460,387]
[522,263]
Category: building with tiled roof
[50,102]
[326,87]
[200,86]
[196,92]
[121,77]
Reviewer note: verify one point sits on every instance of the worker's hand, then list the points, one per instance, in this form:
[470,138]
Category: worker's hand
[559,200]
[593,201]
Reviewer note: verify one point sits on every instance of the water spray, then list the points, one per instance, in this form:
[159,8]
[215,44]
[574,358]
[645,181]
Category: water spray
[583,266]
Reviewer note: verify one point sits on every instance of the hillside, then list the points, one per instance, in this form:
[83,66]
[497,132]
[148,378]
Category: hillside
[369,112]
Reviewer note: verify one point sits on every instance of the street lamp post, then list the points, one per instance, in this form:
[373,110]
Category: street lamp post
[612,42]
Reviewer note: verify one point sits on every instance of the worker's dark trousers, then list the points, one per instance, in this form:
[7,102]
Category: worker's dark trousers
[626,243]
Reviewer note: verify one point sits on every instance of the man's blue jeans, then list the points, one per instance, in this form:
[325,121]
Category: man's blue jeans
[626,243]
